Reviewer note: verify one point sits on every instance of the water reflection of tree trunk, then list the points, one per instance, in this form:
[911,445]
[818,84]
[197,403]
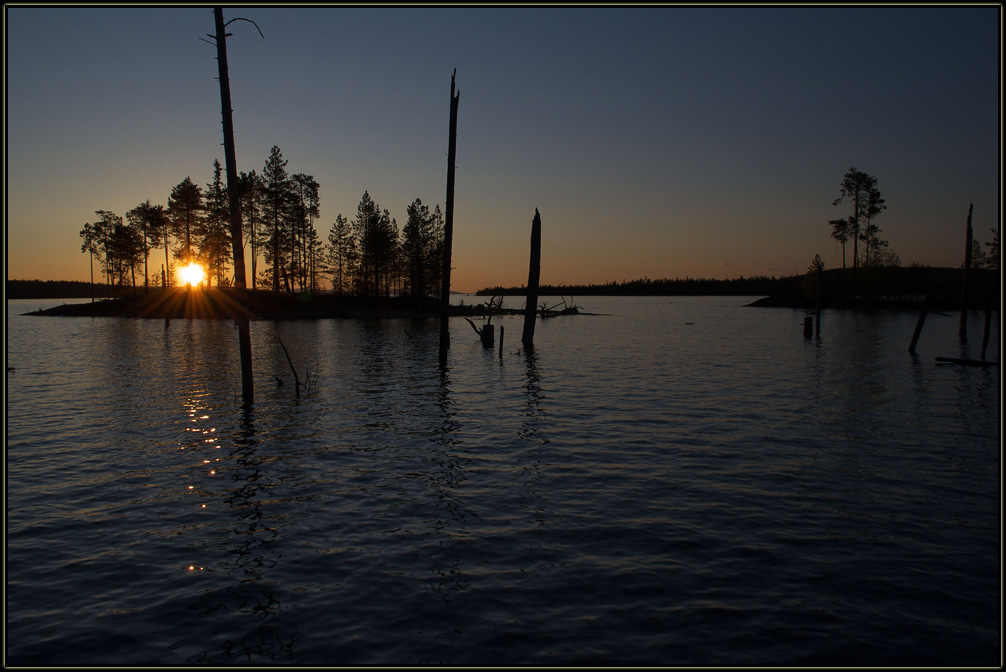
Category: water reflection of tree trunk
[531,431]
[447,576]
[248,560]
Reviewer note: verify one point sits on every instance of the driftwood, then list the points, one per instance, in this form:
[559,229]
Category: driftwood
[965,362]
[550,311]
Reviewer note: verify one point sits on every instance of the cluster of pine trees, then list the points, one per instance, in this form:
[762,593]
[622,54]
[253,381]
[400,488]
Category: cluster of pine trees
[860,190]
[367,256]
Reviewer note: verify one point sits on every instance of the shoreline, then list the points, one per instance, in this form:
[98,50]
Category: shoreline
[222,303]
[217,303]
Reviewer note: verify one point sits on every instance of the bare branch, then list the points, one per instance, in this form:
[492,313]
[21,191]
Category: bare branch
[249,21]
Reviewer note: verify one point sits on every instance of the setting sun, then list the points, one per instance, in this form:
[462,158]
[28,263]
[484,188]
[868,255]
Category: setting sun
[192,274]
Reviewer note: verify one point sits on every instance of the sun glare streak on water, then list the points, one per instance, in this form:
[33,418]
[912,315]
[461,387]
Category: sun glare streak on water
[678,481]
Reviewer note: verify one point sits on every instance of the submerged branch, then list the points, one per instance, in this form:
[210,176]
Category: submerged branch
[477,330]
[296,378]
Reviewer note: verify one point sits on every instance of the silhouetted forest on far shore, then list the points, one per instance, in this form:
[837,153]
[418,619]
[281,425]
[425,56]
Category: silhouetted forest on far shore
[53,289]
[887,285]
[883,286]
[755,286]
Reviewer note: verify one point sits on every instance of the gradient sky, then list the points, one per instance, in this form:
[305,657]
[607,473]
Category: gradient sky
[659,141]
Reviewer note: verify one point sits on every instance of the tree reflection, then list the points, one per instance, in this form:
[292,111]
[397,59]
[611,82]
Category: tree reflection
[446,567]
[531,430]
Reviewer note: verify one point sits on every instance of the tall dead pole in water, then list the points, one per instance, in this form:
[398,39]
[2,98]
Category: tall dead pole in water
[445,293]
[533,276]
[244,330]
[965,291]
[817,302]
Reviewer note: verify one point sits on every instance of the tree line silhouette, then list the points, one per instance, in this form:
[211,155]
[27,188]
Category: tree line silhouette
[877,269]
[366,256]
[686,286]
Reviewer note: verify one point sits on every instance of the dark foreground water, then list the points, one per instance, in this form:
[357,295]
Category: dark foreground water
[681,481]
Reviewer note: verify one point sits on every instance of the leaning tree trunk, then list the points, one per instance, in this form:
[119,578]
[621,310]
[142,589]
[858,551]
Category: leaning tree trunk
[244,330]
[445,288]
[533,276]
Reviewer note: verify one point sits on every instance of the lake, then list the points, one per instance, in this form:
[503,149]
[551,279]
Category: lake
[673,481]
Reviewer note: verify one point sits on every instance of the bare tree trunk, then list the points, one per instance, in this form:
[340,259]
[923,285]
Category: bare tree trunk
[965,291]
[254,249]
[108,272]
[167,262]
[533,277]
[817,307]
[275,254]
[244,331]
[855,236]
[445,292]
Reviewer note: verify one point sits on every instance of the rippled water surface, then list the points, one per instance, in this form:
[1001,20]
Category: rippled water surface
[675,481]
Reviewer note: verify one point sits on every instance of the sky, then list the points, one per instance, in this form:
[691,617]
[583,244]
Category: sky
[657,141]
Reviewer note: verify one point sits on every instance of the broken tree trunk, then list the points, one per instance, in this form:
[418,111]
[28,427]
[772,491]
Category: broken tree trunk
[244,332]
[817,310]
[533,276]
[445,292]
[486,333]
[965,291]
